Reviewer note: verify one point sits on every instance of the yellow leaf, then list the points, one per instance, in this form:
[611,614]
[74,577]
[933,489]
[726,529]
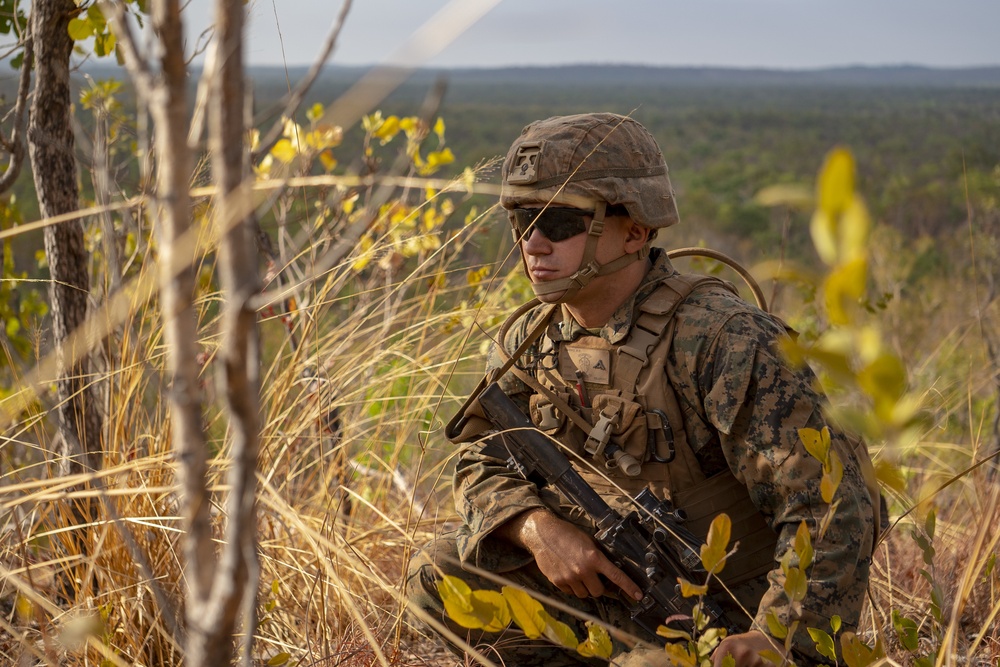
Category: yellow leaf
[347,204]
[836,182]
[844,286]
[315,112]
[824,643]
[813,442]
[284,151]
[709,639]
[680,655]
[856,653]
[280,659]
[558,632]
[439,129]
[890,475]
[264,168]
[713,552]
[387,129]
[775,626]
[884,379]
[409,124]
[329,162]
[80,29]
[824,236]
[690,590]
[828,519]
[672,634]
[853,230]
[491,609]
[796,584]
[786,194]
[773,657]
[526,611]
[803,546]
[831,478]
[598,643]
[457,598]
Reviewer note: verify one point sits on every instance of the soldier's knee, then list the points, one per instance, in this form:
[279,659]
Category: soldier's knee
[434,560]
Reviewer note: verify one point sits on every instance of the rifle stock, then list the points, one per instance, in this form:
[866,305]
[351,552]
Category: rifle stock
[650,546]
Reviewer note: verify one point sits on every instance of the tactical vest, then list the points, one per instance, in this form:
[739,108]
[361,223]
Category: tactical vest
[614,407]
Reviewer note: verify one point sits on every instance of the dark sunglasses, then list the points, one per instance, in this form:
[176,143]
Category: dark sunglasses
[557,224]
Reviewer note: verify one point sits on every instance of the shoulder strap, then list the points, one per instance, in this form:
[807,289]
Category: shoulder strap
[652,328]
[655,314]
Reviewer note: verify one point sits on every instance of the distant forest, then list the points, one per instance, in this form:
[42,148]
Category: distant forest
[926,140]
[923,137]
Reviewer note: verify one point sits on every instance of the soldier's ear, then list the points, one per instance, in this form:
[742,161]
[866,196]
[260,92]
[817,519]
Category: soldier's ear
[636,235]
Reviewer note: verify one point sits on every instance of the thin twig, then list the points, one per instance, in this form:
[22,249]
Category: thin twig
[297,95]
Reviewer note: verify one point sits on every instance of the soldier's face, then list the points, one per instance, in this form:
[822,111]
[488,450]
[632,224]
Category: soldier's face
[550,260]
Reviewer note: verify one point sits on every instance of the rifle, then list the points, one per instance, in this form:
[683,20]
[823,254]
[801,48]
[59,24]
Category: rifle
[652,548]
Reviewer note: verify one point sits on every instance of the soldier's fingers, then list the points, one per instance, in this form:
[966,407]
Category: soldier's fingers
[621,580]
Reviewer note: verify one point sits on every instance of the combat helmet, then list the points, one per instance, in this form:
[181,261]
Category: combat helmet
[590,161]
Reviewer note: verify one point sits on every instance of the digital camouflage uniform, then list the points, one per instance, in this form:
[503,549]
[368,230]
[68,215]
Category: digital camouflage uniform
[743,405]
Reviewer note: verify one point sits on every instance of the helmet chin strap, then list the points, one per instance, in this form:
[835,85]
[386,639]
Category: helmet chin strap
[589,267]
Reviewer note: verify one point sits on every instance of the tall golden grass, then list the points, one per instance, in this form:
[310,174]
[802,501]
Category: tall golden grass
[394,351]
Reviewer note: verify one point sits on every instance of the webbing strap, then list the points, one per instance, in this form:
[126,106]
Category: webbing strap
[651,328]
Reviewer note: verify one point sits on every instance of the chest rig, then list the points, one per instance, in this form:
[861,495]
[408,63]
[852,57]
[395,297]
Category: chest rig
[613,406]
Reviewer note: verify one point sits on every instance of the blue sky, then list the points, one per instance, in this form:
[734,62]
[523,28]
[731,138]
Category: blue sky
[786,34]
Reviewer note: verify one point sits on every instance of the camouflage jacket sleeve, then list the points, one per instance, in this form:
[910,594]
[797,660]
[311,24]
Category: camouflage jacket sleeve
[757,403]
[487,493]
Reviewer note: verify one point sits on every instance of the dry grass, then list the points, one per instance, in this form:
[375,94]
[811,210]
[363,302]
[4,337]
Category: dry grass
[339,511]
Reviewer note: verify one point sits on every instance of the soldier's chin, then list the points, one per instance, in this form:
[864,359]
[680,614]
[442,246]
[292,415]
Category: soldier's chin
[551,297]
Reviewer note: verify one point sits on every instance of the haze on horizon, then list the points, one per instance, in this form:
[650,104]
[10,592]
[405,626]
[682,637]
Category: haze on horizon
[774,34]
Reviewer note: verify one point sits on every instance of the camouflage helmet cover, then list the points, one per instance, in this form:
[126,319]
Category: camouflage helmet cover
[590,157]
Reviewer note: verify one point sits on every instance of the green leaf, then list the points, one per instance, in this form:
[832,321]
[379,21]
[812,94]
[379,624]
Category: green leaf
[96,16]
[526,611]
[835,623]
[930,523]
[906,630]
[713,552]
[80,29]
[280,659]
[824,643]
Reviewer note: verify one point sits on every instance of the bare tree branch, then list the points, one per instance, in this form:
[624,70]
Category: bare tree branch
[135,63]
[17,139]
[297,95]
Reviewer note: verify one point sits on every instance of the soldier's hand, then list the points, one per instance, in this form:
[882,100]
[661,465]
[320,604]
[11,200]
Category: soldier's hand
[567,556]
[745,649]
